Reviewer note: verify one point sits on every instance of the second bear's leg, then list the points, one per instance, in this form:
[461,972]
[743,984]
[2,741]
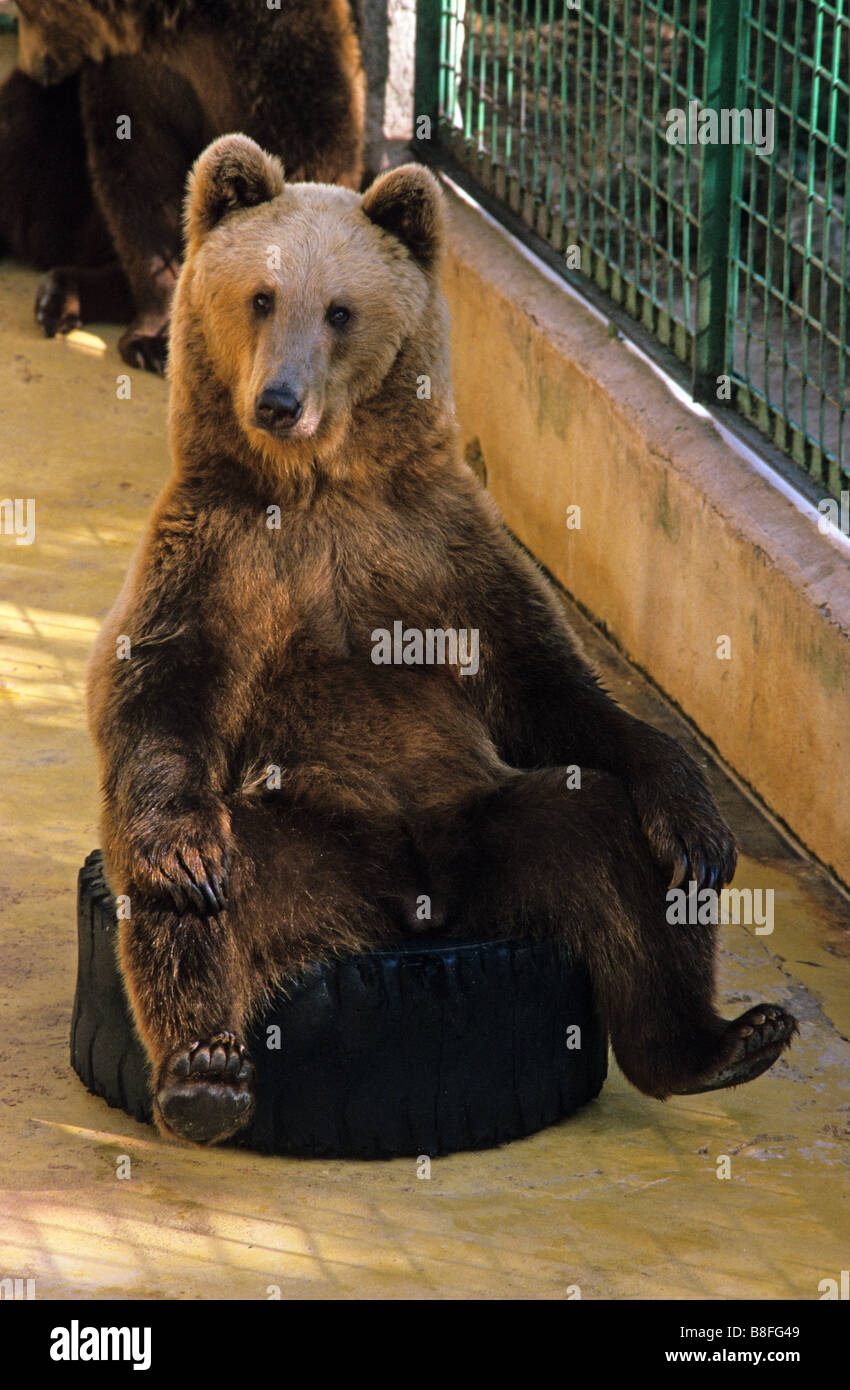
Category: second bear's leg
[73,295]
[143,129]
[299,890]
[47,212]
[538,857]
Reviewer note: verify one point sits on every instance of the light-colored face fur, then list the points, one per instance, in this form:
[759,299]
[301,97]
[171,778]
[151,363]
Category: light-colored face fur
[305,295]
[296,291]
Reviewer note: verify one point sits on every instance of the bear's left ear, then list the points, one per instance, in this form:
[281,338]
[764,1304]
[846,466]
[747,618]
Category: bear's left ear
[233,172]
[408,203]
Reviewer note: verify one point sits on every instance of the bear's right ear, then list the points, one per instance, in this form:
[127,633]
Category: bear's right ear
[233,172]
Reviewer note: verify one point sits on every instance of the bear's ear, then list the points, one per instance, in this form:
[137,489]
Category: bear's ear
[408,203]
[233,172]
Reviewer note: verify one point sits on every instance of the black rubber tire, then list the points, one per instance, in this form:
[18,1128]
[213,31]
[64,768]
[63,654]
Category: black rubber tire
[426,1049]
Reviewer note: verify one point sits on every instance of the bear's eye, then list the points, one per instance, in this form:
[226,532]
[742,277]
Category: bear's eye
[338,315]
[262,304]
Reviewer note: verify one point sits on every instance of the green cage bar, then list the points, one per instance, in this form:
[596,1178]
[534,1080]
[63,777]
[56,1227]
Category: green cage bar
[721,87]
[428,97]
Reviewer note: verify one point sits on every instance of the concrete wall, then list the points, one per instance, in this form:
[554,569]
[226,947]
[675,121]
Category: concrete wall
[680,544]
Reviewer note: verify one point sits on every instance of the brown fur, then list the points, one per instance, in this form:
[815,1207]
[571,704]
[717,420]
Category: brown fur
[251,646]
[183,72]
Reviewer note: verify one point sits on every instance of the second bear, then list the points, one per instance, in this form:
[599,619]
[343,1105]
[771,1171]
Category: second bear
[93,164]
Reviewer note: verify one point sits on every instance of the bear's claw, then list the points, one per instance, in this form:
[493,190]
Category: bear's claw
[57,304]
[187,860]
[206,1091]
[146,350]
[199,886]
[709,865]
[752,1043]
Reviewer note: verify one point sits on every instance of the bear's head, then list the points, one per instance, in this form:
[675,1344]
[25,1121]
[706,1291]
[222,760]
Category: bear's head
[55,37]
[299,303]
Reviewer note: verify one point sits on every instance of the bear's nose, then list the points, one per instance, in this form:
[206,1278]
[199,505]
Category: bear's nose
[277,407]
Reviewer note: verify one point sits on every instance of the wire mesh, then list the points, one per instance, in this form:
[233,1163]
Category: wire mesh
[691,158]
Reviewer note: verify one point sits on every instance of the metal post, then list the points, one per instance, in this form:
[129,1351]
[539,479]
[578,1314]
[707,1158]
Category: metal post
[721,87]
[426,89]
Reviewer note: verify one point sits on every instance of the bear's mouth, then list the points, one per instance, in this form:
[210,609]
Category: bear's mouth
[282,413]
[305,427]
[302,428]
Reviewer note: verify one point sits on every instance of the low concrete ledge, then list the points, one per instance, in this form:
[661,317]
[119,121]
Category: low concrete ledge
[680,544]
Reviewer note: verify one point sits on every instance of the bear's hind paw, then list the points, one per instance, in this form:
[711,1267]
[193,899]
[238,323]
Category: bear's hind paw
[750,1044]
[205,1090]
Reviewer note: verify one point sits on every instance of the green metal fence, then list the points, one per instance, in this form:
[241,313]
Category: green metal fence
[724,230]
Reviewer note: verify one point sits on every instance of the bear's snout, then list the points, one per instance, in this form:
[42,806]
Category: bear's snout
[277,409]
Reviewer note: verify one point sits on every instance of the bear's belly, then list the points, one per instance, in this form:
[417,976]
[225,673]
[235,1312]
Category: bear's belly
[387,740]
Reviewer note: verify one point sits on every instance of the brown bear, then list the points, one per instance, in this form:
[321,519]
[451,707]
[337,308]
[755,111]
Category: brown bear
[93,169]
[286,773]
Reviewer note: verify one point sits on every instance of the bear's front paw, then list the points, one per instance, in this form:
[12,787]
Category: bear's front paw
[692,846]
[57,303]
[185,859]
[145,345]
[205,1089]
[687,835]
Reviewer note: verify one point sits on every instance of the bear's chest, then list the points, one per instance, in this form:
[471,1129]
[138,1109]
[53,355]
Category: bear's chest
[332,586]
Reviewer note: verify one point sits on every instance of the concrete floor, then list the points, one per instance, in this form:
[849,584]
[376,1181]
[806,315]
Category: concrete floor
[623,1200]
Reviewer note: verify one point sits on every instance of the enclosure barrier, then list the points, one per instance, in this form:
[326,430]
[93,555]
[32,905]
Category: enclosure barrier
[689,157]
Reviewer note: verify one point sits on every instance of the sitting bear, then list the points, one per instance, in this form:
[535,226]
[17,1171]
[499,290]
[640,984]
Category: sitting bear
[93,163]
[295,755]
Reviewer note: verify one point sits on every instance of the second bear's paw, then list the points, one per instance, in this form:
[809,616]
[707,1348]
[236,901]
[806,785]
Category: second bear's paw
[205,1090]
[57,303]
[145,345]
